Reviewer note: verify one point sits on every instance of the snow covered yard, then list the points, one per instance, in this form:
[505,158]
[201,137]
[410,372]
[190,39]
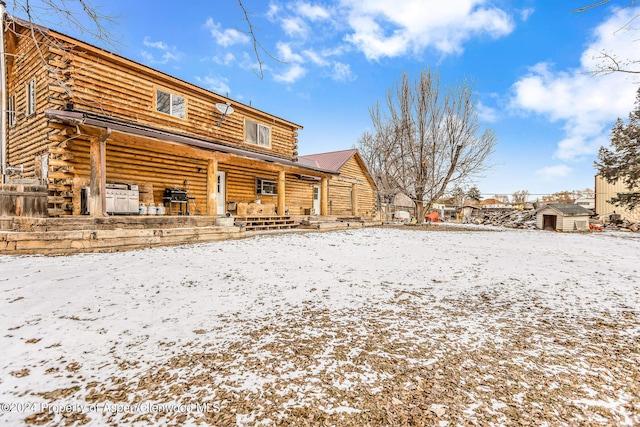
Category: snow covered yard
[376,326]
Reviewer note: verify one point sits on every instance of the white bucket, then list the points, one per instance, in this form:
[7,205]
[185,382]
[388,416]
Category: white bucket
[161,210]
[142,210]
[151,210]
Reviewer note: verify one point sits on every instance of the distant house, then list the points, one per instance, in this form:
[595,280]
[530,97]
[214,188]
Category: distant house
[563,217]
[351,190]
[587,202]
[493,204]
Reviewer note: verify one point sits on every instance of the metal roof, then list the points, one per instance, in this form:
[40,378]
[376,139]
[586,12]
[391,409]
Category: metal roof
[332,161]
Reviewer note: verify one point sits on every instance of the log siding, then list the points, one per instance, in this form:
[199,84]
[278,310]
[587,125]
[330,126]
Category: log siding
[75,77]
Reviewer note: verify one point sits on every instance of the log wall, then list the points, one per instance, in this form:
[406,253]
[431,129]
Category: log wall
[72,74]
[241,187]
[27,139]
[340,189]
[104,83]
[153,166]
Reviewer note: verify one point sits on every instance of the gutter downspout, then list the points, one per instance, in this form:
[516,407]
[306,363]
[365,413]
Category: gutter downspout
[103,168]
[3,96]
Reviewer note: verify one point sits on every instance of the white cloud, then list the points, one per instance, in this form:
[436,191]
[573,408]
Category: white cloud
[342,72]
[227,37]
[167,53]
[286,54]
[316,58]
[312,12]
[586,104]
[157,45]
[294,27]
[525,14]
[292,74]
[273,11]
[249,62]
[486,113]
[227,59]
[552,173]
[215,83]
[382,28]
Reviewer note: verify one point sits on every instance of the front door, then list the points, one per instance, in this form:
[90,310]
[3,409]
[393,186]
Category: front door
[316,199]
[222,208]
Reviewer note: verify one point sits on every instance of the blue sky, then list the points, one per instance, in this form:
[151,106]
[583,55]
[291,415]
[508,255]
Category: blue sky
[529,61]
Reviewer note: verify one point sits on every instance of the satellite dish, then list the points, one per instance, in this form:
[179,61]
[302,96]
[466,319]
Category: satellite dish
[225,108]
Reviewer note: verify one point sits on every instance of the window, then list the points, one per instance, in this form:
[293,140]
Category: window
[257,134]
[265,187]
[11,110]
[31,97]
[171,104]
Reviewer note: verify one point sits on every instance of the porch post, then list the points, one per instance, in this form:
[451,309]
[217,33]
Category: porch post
[212,186]
[98,176]
[354,199]
[324,196]
[281,191]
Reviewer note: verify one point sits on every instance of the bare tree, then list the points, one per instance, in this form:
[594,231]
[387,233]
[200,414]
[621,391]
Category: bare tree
[81,15]
[589,193]
[430,136]
[520,197]
[560,197]
[375,149]
[609,61]
[458,196]
[501,197]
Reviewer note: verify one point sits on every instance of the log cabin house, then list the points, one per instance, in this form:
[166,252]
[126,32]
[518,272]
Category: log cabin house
[352,191]
[84,121]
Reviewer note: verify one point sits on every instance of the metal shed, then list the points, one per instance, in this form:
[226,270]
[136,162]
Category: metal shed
[563,217]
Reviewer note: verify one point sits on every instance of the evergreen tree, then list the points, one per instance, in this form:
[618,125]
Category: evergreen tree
[622,161]
[474,194]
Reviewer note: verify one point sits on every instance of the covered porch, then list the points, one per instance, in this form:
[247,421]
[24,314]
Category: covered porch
[91,153]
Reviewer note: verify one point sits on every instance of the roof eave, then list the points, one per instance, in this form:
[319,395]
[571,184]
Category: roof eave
[79,118]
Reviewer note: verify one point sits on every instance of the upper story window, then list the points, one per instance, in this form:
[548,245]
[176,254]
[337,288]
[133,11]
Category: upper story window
[31,97]
[171,104]
[257,134]
[11,110]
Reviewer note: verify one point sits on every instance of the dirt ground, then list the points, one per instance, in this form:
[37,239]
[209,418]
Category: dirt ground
[500,352]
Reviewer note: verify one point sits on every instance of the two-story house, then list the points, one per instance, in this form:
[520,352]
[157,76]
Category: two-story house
[80,119]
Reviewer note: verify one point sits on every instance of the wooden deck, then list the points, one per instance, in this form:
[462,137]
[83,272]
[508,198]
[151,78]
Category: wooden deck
[66,235]
[78,234]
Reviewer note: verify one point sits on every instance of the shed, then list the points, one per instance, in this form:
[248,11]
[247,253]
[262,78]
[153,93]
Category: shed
[563,217]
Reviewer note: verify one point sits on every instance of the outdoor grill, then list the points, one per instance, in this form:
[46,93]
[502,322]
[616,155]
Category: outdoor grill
[175,195]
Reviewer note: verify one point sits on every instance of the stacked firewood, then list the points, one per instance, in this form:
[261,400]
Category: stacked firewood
[525,219]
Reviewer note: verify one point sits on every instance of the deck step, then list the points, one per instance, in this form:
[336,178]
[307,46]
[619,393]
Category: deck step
[255,223]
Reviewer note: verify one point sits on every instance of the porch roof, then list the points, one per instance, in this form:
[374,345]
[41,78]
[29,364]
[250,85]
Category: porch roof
[93,120]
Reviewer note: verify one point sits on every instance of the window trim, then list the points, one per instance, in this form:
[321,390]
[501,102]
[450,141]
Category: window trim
[260,187]
[31,97]
[11,111]
[258,127]
[172,96]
